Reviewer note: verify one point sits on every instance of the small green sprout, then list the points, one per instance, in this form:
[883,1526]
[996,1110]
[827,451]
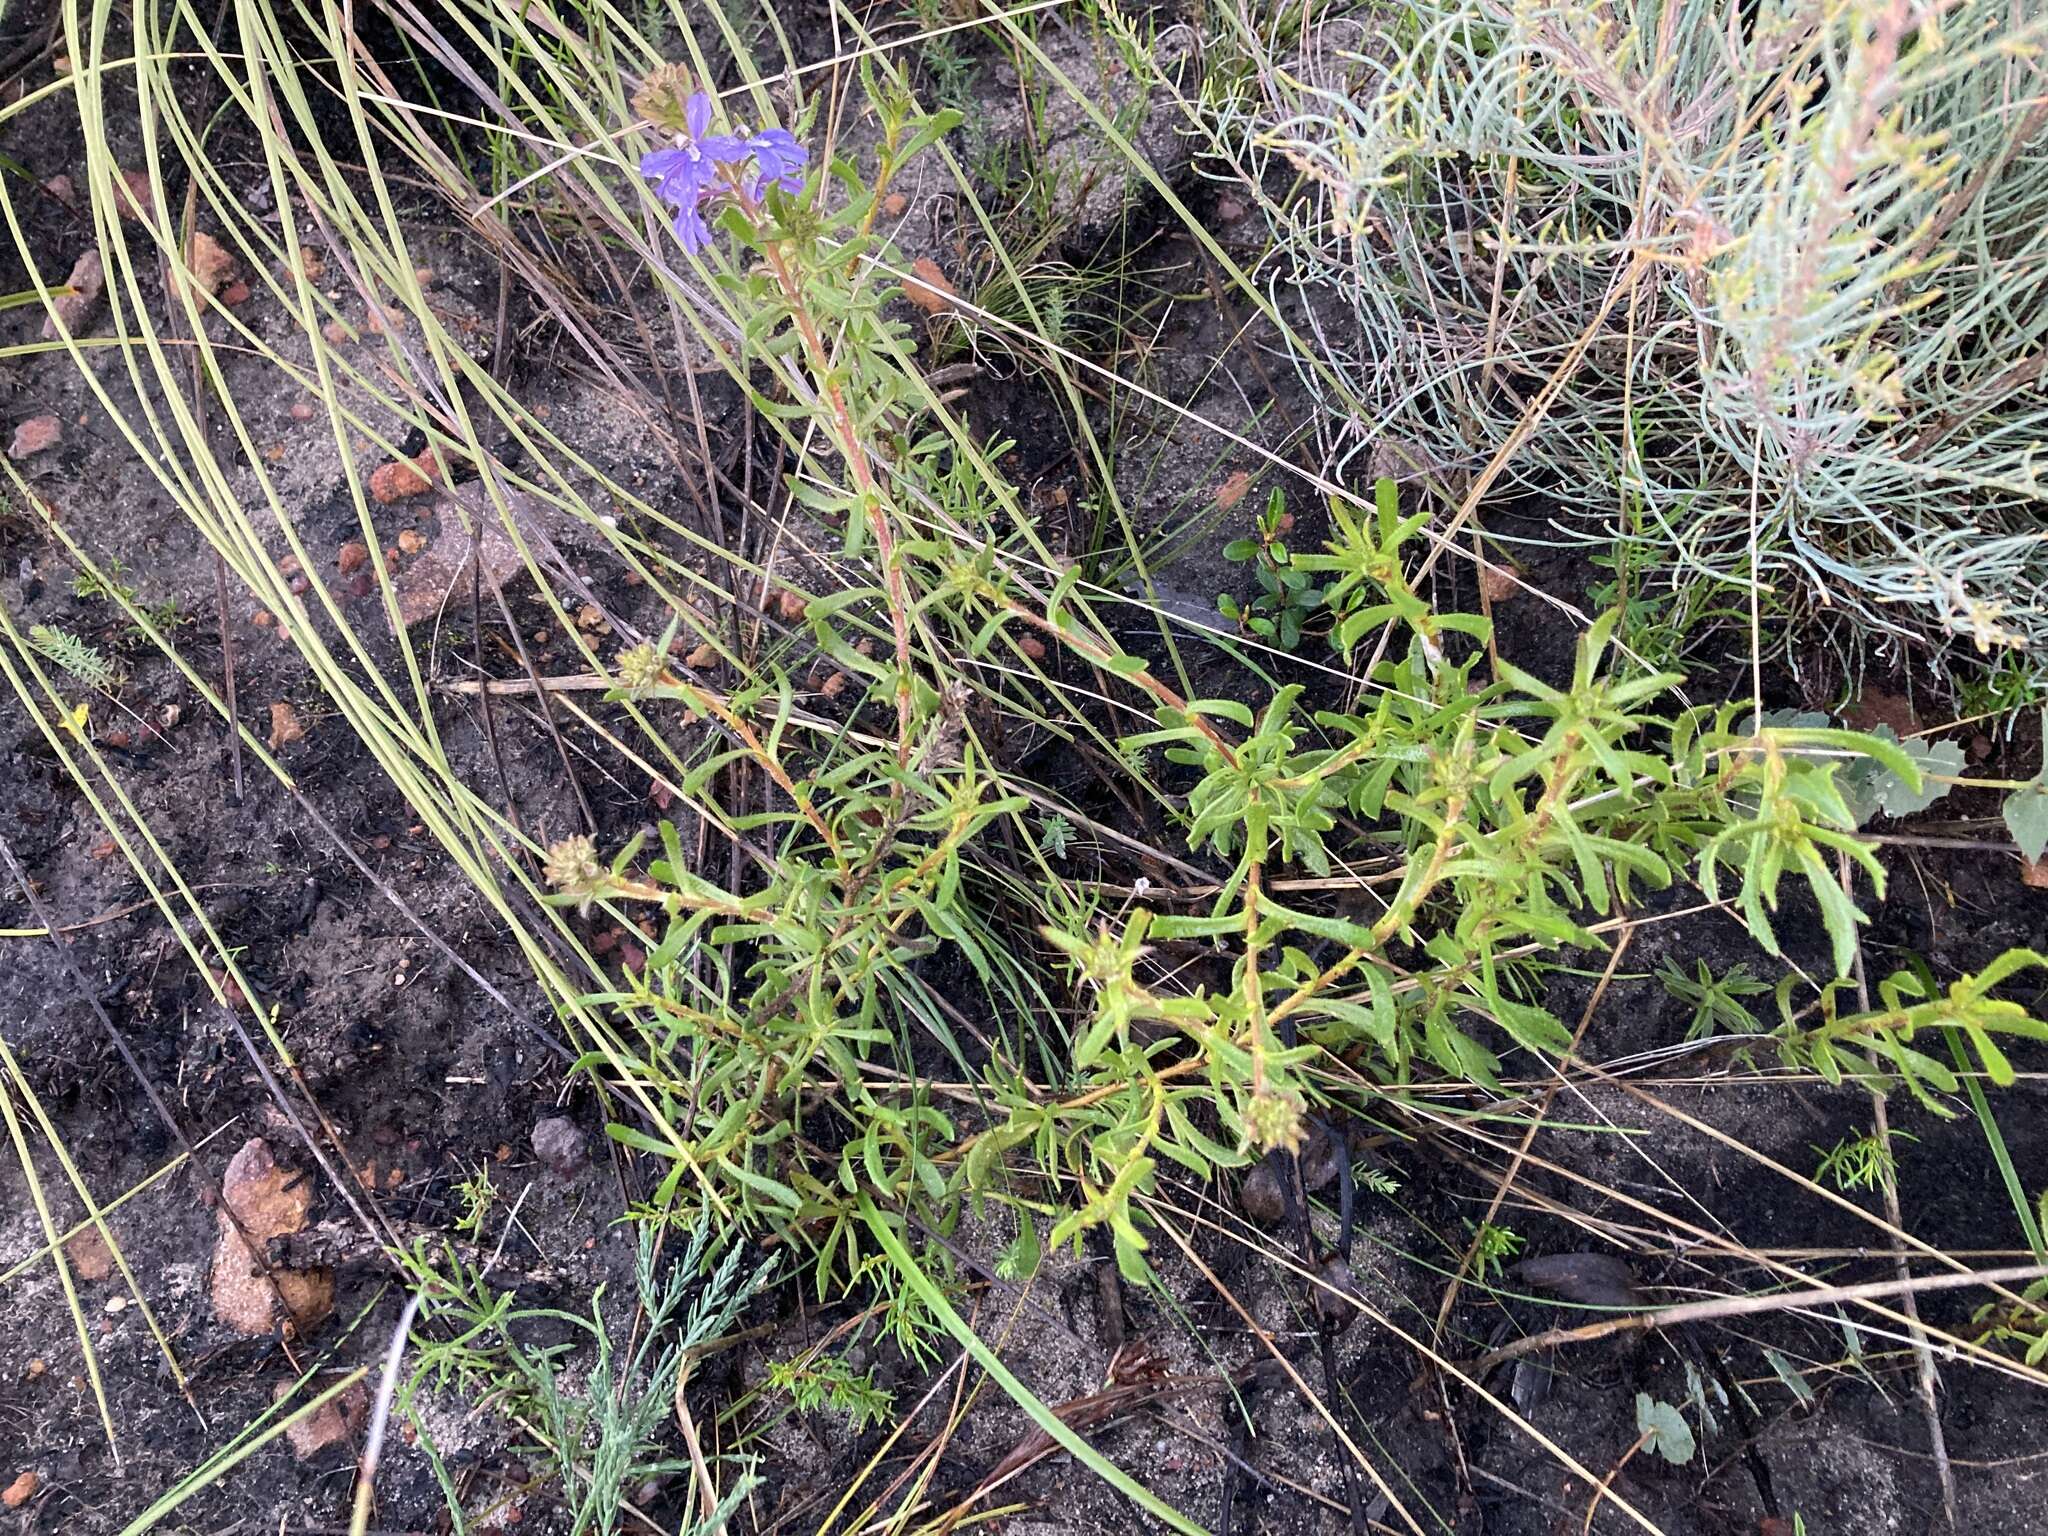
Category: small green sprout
[478,1194]
[1861,1162]
[1716,1001]
[1492,1247]
[1287,598]
[827,1382]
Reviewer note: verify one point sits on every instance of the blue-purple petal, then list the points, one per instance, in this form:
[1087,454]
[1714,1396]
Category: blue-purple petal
[660,163]
[691,229]
[779,157]
[697,114]
[722,149]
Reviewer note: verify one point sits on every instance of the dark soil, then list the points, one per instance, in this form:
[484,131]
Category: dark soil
[424,1063]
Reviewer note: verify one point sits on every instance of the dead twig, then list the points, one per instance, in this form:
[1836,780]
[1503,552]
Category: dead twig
[1749,1306]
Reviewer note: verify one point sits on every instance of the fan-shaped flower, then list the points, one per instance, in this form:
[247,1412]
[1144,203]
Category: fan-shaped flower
[692,172]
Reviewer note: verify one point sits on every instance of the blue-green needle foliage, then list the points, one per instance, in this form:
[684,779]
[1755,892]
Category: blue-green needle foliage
[606,1434]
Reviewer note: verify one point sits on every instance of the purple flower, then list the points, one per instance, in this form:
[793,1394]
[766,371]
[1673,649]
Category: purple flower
[686,175]
[779,158]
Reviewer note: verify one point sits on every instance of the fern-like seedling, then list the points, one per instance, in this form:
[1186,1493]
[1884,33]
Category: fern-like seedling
[82,661]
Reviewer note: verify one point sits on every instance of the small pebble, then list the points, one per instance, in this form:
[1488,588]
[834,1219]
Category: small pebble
[301,411]
[1260,1196]
[560,1143]
[134,198]
[351,557]
[36,435]
[404,478]
[21,1490]
[87,282]
[334,1423]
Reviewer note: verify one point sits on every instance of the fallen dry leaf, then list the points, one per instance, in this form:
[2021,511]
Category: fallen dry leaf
[269,1202]
[931,293]
[1232,490]
[1875,707]
[285,725]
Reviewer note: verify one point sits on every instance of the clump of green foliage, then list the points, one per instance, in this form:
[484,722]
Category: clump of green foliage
[829,1383]
[902,903]
[595,1410]
[1521,811]
[1716,1001]
[1287,600]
